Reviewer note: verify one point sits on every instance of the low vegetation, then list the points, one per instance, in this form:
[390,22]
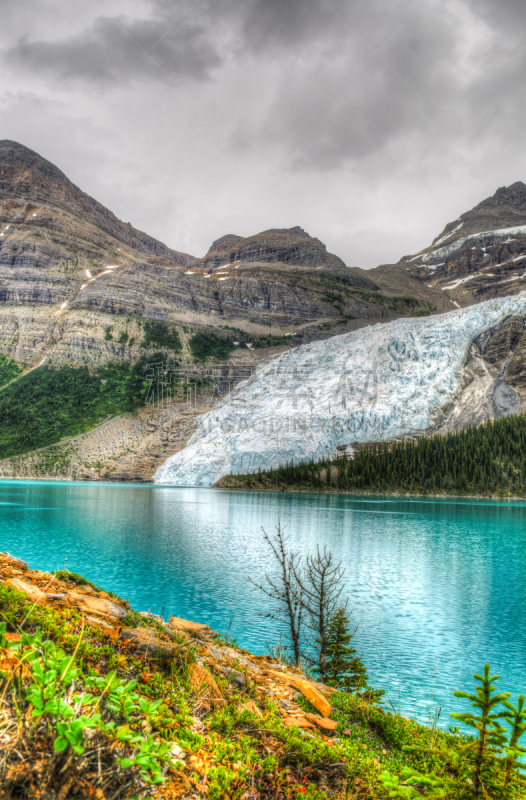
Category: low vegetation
[159,334]
[264,339]
[486,460]
[210,345]
[9,369]
[46,405]
[85,715]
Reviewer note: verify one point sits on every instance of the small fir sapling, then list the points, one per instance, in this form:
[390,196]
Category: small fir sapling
[484,751]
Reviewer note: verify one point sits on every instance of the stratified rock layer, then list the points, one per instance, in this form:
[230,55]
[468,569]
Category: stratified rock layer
[63,251]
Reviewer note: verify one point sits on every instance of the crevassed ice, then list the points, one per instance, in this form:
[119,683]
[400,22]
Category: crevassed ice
[369,385]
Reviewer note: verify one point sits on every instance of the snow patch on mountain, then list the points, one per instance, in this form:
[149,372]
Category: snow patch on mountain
[373,384]
[450,248]
[448,235]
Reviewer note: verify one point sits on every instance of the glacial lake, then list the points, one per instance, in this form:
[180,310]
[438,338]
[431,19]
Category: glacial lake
[437,587]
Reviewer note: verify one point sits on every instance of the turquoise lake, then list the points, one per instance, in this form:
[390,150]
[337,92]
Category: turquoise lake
[437,587]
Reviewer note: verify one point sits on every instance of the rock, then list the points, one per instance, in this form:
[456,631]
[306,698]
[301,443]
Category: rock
[239,659]
[177,752]
[97,605]
[23,565]
[216,653]
[201,679]
[314,697]
[99,622]
[145,641]
[236,679]
[299,722]
[33,592]
[252,707]
[58,597]
[193,629]
[149,615]
[322,722]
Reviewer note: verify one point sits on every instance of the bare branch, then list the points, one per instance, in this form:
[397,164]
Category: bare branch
[287,592]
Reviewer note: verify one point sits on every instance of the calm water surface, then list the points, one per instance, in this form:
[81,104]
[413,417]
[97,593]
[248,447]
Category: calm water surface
[437,587]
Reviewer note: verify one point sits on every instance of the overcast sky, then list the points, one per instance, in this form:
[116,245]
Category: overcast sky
[370,124]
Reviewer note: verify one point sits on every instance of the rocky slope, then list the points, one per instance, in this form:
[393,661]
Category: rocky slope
[169,709]
[62,252]
[126,448]
[404,378]
[481,254]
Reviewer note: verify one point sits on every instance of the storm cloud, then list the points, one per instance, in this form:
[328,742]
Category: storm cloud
[371,125]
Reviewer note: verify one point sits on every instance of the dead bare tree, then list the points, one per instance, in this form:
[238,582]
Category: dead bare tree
[321,587]
[285,590]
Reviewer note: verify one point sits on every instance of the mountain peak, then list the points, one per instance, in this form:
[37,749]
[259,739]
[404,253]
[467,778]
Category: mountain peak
[284,245]
[15,153]
[35,194]
[514,195]
[224,242]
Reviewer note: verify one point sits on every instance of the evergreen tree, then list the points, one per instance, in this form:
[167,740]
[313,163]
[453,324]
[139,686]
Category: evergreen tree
[516,717]
[344,668]
[484,751]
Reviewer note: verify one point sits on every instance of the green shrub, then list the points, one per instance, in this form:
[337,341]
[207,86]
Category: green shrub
[159,334]
[209,345]
[9,369]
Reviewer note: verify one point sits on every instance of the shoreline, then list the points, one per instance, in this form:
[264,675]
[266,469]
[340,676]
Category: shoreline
[264,490]
[379,493]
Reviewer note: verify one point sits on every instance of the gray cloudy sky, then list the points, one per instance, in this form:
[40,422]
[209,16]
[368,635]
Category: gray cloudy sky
[370,124]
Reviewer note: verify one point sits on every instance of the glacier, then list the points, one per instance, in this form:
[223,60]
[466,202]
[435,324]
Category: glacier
[373,384]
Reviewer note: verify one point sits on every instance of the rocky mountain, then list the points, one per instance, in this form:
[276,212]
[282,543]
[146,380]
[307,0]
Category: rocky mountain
[286,245]
[481,254]
[70,271]
[80,287]
[406,378]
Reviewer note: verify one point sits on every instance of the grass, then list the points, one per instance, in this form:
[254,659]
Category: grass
[9,369]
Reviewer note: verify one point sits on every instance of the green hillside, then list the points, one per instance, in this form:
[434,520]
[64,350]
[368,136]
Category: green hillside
[46,405]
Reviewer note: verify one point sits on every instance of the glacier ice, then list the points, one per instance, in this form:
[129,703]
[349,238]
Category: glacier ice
[373,384]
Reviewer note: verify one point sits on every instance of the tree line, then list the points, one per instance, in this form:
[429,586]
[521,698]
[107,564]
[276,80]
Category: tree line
[489,459]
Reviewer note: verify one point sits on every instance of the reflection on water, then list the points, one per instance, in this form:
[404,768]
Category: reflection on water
[437,587]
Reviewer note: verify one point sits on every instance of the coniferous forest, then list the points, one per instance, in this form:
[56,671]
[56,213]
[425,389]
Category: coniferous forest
[488,460]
